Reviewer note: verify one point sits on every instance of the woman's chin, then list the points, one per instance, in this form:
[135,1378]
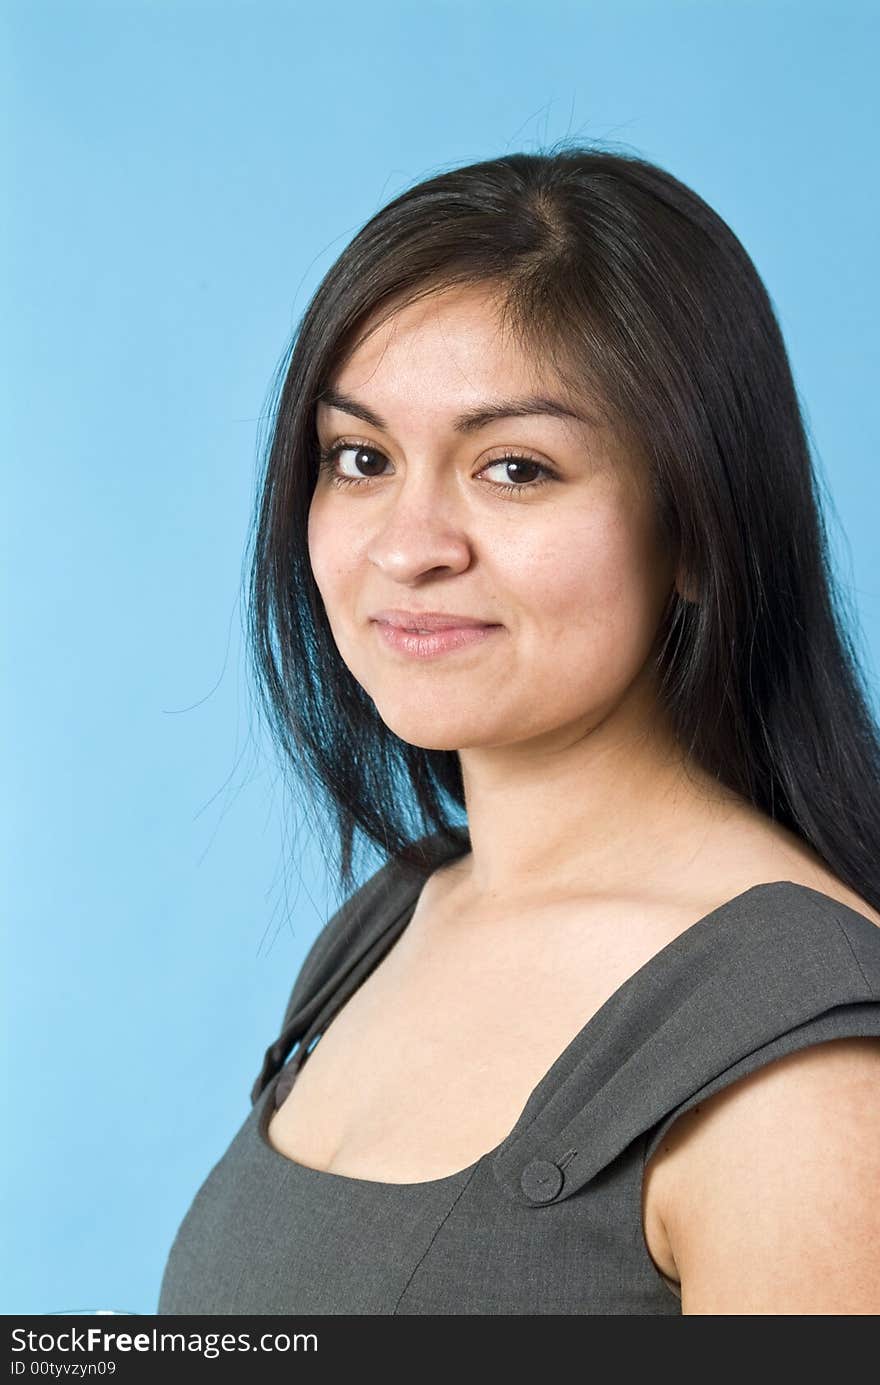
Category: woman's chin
[431,732]
[424,737]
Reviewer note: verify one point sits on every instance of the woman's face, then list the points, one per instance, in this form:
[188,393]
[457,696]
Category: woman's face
[565,563]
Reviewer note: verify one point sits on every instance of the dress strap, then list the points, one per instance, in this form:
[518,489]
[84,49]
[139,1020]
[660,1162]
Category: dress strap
[780,967]
[349,945]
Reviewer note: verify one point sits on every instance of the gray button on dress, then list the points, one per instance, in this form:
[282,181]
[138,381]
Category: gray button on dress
[550,1220]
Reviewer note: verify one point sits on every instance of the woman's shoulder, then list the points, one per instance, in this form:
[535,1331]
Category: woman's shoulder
[766,851]
[362,917]
[770,1124]
[767,1188]
[348,940]
[832,888]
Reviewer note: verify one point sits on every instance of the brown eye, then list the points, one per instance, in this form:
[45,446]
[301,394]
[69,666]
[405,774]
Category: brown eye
[364,457]
[368,462]
[514,466]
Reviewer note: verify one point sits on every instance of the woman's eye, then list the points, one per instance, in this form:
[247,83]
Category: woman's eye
[522,474]
[329,457]
[522,470]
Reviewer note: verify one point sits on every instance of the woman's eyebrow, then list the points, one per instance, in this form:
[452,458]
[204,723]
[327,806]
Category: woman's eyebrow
[471,419]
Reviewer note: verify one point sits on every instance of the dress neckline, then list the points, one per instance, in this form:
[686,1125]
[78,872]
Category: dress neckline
[670,955]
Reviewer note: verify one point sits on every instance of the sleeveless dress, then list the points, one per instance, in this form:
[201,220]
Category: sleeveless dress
[550,1220]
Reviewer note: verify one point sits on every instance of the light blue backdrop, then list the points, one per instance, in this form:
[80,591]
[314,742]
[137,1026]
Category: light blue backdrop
[177,178]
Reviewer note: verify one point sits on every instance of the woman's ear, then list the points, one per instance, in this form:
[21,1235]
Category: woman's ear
[685,588]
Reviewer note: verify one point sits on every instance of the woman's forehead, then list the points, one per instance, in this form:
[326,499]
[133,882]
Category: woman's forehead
[459,350]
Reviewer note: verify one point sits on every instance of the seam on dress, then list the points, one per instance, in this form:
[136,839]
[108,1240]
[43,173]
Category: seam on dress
[854,956]
[446,1215]
[819,914]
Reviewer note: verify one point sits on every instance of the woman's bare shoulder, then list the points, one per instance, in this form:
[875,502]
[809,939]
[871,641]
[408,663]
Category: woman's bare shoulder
[695,1149]
[830,885]
[766,851]
[778,1212]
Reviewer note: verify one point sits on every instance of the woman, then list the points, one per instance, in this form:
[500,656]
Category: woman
[539,540]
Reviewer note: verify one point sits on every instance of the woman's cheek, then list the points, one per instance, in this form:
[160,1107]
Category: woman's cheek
[577,574]
[329,553]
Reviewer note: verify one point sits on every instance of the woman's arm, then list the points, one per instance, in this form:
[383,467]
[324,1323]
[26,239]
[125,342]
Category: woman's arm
[773,1205]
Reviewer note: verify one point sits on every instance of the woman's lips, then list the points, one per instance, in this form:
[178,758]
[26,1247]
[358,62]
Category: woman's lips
[429,645]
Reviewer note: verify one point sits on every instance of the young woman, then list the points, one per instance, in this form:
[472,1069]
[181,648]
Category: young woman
[539,540]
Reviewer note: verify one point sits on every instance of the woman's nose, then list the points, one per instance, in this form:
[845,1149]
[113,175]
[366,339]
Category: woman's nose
[418,529]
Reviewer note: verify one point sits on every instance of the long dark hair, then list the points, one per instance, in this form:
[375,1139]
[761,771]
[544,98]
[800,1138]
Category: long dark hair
[641,297]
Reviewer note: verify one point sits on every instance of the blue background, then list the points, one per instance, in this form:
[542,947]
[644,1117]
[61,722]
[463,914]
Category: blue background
[178,176]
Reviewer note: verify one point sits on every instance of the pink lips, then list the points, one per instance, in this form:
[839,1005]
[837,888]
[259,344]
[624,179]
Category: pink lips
[445,633]
[429,620]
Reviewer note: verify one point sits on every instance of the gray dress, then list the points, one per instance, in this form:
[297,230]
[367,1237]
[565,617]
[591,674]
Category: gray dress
[550,1220]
